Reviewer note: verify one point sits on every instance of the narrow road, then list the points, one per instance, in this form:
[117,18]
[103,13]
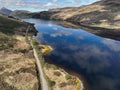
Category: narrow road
[39,66]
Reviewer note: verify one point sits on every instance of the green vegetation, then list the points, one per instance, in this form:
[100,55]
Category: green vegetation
[35,43]
[68,76]
[38,49]
[51,83]
[73,81]
[51,66]
[23,15]
[78,87]
[76,80]
[7,26]
[7,29]
[6,42]
[36,46]
[14,57]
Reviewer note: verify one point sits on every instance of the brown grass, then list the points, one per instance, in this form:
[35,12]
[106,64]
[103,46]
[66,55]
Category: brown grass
[59,79]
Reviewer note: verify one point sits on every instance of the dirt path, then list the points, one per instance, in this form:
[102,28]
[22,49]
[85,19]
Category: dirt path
[39,66]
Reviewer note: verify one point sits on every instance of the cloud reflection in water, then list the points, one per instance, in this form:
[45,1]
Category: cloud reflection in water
[96,58]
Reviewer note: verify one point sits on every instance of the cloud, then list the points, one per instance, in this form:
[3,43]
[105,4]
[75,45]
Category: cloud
[107,83]
[77,0]
[41,4]
[55,0]
[55,28]
[36,4]
[48,4]
[112,44]
[91,56]
[60,33]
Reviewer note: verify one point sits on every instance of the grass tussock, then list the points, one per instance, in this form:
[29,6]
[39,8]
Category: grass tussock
[6,41]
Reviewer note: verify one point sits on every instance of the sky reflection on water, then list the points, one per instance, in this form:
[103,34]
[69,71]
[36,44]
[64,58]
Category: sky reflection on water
[94,57]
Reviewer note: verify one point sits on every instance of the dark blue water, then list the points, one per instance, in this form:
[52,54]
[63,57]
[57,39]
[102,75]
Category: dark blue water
[94,57]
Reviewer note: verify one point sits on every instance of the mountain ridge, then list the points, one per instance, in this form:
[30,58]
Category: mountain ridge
[5,11]
[15,13]
[103,17]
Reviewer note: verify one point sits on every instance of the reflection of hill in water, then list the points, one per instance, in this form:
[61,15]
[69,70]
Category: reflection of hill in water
[94,57]
[103,17]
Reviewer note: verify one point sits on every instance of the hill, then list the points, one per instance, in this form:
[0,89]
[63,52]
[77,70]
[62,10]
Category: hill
[15,13]
[17,64]
[5,11]
[102,17]
[21,14]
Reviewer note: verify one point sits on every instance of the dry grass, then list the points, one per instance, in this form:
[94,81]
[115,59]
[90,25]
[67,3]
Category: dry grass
[17,69]
[61,83]
[70,12]
[17,64]
[21,43]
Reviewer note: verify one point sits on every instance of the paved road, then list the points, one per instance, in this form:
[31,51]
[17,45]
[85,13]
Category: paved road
[39,66]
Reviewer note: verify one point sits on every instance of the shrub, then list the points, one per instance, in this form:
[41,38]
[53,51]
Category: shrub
[62,84]
[34,41]
[57,73]
[68,77]
[78,87]
[71,82]
[53,67]
[6,41]
[51,83]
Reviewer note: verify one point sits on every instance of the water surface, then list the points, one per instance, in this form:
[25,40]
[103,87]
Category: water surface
[94,57]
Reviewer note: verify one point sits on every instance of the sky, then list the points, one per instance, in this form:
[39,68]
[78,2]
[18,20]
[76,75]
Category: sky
[40,5]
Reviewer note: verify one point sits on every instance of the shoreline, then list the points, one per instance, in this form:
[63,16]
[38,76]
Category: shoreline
[82,80]
[99,31]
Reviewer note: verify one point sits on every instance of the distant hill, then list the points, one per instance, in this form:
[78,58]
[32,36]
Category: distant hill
[5,11]
[15,13]
[104,13]
[21,14]
[103,16]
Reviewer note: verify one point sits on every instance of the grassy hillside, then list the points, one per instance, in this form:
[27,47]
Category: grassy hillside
[5,11]
[7,25]
[7,29]
[21,14]
[102,17]
[17,64]
[104,13]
